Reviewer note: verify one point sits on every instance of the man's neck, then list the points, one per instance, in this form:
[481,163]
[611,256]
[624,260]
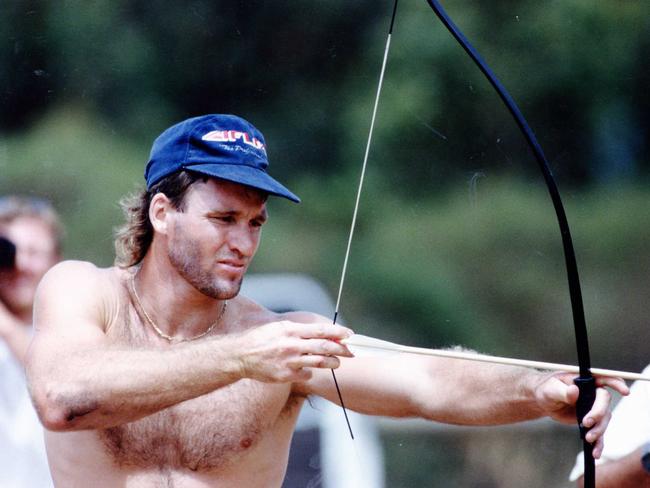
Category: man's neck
[175,306]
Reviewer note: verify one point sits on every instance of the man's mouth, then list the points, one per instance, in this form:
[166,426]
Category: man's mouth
[232,265]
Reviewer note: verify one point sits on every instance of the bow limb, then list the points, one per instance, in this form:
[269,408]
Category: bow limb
[585,381]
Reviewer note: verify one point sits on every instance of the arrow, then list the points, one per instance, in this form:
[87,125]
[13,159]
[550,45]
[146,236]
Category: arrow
[367,342]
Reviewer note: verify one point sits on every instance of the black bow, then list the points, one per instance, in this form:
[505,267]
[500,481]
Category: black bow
[585,381]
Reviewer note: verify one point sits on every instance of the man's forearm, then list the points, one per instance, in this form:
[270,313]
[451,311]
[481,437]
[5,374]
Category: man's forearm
[100,388]
[489,394]
[440,389]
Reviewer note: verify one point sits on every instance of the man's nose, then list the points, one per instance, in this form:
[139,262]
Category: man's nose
[244,240]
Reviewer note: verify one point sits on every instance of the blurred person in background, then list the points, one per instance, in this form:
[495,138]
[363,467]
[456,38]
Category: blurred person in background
[171,377]
[625,462]
[30,244]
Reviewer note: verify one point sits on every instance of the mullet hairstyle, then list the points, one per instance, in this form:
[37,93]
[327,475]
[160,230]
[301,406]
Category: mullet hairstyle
[133,238]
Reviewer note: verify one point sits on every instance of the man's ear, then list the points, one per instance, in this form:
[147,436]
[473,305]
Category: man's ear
[160,210]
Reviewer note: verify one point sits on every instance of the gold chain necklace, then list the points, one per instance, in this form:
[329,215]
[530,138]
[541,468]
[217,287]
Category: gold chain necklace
[160,332]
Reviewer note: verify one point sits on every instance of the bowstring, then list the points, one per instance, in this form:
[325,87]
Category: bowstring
[358,200]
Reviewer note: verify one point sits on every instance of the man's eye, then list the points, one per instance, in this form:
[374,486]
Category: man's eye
[224,218]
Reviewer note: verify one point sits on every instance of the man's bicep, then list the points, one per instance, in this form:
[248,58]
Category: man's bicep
[68,309]
[67,322]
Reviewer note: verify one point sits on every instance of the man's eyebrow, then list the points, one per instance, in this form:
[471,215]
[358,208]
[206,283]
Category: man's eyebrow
[221,213]
[262,215]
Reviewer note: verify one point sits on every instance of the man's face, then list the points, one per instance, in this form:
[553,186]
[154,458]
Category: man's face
[35,253]
[213,240]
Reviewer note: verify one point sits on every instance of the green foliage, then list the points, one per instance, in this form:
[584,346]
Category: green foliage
[480,457]
[484,269]
[305,73]
[83,167]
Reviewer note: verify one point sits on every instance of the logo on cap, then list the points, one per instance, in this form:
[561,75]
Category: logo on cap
[233,136]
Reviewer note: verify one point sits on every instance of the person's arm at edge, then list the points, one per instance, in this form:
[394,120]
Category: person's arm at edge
[78,380]
[625,472]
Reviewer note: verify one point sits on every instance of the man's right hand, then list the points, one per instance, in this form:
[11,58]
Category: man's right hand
[286,351]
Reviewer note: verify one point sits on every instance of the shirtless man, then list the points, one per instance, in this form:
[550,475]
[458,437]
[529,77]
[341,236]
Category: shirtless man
[157,373]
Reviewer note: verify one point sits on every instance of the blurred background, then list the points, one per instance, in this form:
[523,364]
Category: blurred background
[456,240]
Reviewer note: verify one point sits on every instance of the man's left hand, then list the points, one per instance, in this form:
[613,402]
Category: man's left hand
[557,396]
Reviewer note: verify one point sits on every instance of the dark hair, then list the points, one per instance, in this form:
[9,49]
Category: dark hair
[133,238]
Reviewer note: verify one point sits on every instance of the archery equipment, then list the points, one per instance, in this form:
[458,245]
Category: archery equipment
[366,342]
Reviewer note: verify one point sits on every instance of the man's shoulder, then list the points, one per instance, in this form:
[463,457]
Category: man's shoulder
[252,310]
[80,292]
[264,314]
[81,270]
[81,276]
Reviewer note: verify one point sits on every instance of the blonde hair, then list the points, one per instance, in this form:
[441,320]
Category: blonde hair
[13,207]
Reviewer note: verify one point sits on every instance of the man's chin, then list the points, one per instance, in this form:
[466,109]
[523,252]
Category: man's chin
[225,289]
[230,293]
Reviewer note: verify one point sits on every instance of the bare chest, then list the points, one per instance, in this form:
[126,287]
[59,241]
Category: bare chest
[206,433]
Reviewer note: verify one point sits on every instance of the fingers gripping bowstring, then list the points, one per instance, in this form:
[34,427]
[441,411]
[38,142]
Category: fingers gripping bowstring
[358,199]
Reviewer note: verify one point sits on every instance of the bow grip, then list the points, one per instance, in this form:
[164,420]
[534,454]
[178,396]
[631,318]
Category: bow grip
[586,398]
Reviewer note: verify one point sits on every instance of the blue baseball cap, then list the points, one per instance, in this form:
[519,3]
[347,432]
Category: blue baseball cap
[223,146]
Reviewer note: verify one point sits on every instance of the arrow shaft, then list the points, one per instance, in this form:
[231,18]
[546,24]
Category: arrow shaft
[470,356]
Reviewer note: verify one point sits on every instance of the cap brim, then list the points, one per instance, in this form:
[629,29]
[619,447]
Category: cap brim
[244,175]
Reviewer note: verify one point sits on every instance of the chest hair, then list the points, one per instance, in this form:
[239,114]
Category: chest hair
[206,433]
